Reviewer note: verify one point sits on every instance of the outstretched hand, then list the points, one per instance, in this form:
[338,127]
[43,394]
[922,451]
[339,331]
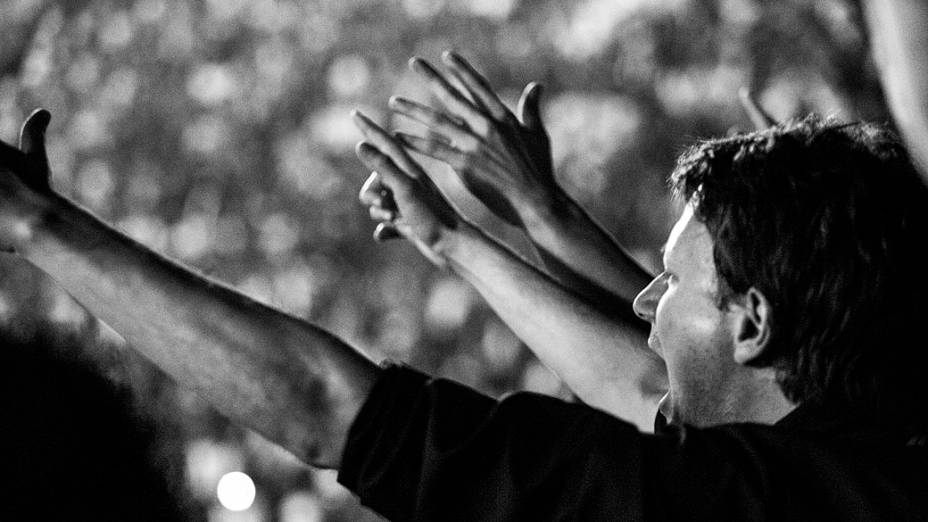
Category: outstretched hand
[503,160]
[29,162]
[24,178]
[400,195]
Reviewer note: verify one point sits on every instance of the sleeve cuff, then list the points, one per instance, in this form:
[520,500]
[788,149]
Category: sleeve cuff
[396,388]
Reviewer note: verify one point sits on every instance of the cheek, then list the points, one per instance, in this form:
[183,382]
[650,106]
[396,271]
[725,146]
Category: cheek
[687,326]
[681,311]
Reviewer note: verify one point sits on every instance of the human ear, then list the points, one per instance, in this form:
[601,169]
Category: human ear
[752,325]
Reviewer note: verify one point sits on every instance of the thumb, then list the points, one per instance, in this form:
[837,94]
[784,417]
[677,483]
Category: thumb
[529,106]
[394,178]
[11,158]
[760,118]
[386,232]
[32,143]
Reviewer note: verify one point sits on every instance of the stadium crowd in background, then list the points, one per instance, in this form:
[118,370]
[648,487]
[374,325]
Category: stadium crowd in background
[783,327]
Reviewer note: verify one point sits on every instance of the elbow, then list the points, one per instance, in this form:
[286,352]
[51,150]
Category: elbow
[323,454]
[317,438]
[318,457]
[309,447]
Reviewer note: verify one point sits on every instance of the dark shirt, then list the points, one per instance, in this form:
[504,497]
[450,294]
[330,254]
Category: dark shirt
[432,449]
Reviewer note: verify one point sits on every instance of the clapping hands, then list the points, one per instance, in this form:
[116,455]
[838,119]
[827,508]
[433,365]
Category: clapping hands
[503,160]
[400,195]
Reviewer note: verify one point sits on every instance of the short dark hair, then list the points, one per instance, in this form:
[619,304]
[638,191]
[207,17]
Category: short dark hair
[827,220]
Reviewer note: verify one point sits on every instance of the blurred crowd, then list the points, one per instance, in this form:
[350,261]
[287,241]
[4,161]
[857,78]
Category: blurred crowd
[218,133]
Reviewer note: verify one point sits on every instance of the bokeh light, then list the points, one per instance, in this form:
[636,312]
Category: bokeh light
[218,132]
[236,491]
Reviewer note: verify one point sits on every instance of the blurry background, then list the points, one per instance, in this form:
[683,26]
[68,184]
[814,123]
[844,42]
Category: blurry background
[217,132]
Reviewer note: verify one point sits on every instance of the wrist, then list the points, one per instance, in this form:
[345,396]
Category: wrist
[53,219]
[451,240]
[23,220]
[553,208]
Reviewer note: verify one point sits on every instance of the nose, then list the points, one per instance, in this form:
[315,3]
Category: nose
[645,303]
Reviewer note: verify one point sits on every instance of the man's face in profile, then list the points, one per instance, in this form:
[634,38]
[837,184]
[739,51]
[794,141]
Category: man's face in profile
[689,331]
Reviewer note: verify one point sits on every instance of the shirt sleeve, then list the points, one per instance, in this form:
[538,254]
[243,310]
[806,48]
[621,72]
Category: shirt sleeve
[432,449]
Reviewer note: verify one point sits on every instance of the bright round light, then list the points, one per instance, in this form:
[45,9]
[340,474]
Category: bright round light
[236,491]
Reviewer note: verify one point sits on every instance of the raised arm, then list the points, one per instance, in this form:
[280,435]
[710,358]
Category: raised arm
[293,382]
[899,34]
[602,357]
[506,162]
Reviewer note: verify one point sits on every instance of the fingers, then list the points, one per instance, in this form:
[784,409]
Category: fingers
[529,108]
[32,133]
[477,85]
[386,144]
[381,206]
[453,100]
[435,148]
[385,232]
[32,143]
[374,192]
[386,155]
[758,116]
[436,121]
[398,180]
[381,214]
[371,191]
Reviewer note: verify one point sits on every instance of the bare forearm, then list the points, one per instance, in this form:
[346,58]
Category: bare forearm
[295,383]
[505,162]
[899,32]
[603,358]
[576,250]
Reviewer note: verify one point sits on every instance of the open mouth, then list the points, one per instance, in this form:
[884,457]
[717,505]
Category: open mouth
[665,407]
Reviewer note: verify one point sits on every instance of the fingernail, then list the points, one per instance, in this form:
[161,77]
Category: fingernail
[421,66]
[537,91]
[363,148]
[44,115]
[455,57]
[360,118]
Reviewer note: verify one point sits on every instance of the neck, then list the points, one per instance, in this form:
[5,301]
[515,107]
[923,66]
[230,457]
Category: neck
[761,400]
[752,396]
